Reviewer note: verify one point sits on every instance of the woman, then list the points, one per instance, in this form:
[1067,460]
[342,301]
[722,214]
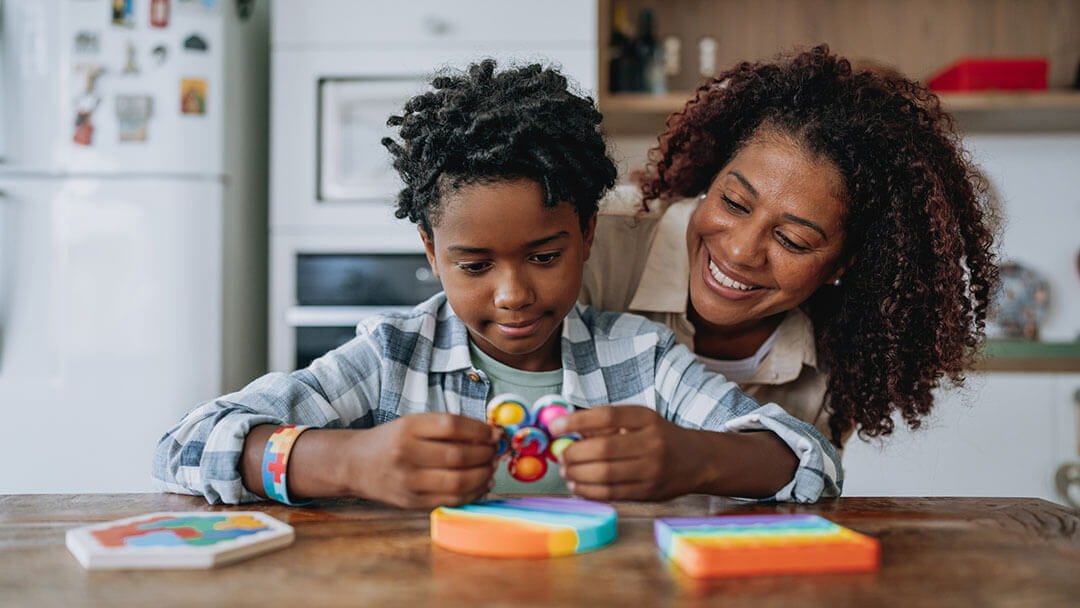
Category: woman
[819,237]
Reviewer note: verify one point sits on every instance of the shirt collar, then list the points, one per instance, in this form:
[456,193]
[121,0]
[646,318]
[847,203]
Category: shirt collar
[794,348]
[665,282]
[450,337]
[451,353]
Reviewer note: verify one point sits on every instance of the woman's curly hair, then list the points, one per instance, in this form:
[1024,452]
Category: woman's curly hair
[482,126]
[912,306]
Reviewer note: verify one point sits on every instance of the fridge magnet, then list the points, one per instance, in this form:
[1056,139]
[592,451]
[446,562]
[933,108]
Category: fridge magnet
[195,42]
[122,13]
[129,63]
[193,96]
[132,116]
[87,43]
[86,103]
[159,53]
[159,13]
[84,128]
[177,539]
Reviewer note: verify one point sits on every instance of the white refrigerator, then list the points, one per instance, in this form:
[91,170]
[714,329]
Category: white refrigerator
[132,228]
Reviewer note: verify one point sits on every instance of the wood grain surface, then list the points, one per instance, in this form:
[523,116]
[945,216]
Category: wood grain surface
[935,551]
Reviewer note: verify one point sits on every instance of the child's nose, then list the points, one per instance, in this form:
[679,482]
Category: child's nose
[514,292]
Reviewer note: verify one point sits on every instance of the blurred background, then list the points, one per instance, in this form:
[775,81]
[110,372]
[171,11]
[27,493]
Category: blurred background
[192,192]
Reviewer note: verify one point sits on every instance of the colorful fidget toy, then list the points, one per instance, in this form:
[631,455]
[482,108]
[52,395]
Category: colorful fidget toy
[524,527]
[526,439]
[741,545]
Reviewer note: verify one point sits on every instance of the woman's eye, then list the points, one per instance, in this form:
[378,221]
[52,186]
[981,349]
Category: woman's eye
[733,205]
[790,244]
[546,258]
[473,267]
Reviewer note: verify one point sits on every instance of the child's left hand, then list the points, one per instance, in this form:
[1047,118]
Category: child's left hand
[629,452]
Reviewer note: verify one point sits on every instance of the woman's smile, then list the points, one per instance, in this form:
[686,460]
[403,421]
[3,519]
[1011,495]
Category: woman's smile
[728,280]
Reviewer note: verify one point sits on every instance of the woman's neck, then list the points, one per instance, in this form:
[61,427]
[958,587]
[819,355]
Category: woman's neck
[730,343]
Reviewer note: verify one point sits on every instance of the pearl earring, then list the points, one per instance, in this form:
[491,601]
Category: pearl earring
[701,198]
[836,282]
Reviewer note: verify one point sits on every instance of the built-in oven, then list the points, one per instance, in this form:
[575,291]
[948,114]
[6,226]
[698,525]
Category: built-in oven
[334,283]
[334,291]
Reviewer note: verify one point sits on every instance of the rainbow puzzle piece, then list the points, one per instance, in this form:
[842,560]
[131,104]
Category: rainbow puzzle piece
[177,539]
[741,545]
[524,527]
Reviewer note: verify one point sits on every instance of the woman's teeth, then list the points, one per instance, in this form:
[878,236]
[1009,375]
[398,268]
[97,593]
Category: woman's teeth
[725,280]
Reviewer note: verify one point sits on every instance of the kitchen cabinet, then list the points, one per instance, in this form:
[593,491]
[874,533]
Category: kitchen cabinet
[1002,434]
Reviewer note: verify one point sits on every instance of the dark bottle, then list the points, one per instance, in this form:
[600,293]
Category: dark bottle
[622,66]
[646,51]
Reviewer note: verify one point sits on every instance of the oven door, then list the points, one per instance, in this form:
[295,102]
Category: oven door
[334,280]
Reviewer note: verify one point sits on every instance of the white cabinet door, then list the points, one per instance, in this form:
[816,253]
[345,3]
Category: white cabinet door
[431,23]
[1004,434]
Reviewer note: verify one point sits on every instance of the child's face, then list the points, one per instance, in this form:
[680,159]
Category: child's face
[511,268]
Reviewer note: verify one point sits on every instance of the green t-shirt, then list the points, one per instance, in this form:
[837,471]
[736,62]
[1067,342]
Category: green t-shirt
[531,386]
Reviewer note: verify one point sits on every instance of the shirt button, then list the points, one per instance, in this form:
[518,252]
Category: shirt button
[475,377]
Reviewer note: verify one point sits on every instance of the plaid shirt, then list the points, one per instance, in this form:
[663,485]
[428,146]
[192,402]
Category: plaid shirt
[419,361]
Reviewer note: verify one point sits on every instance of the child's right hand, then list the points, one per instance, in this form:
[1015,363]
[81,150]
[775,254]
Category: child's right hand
[421,461]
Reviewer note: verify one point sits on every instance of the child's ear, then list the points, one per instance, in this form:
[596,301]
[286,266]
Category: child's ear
[588,234]
[429,250]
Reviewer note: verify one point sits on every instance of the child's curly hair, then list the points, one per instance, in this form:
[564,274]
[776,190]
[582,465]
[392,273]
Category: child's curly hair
[482,126]
[912,305]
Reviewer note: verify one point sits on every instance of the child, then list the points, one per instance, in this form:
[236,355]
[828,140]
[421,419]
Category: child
[502,175]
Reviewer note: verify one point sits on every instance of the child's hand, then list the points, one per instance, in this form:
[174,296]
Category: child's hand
[421,461]
[630,452]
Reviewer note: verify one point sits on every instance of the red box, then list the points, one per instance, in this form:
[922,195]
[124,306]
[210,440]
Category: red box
[982,74]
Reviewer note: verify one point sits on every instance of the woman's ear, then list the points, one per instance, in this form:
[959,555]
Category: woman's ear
[429,250]
[834,279]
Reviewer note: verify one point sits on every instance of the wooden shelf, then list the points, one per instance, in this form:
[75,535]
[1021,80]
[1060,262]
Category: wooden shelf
[1024,356]
[1053,110]
[918,38]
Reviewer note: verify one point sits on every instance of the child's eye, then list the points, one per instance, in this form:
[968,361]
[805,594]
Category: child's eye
[733,205]
[474,267]
[546,258]
[791,244]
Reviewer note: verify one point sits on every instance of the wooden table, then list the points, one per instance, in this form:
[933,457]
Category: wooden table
[954,551]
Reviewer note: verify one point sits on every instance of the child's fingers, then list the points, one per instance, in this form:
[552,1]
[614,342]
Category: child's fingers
[452,454]
[451,427]
[604,449]
[452,482]
[610,492]
[610,472]
[599,420]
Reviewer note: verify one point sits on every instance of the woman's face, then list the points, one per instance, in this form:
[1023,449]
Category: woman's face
[766,235]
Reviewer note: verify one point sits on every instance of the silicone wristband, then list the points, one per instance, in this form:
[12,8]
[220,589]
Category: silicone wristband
[275,463]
